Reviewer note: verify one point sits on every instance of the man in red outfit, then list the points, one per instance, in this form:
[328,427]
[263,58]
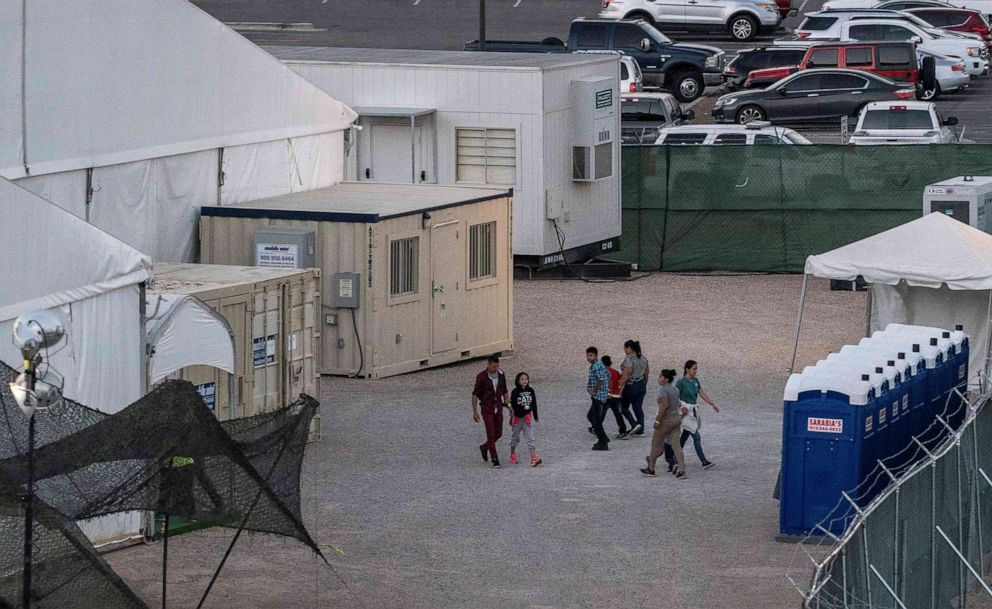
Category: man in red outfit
[490,391]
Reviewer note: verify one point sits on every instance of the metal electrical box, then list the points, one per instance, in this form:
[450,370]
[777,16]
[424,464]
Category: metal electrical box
[594,103]
[346,289]
[965,198]
[285,248]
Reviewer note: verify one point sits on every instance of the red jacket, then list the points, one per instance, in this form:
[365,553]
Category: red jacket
[614,381]
[491,400]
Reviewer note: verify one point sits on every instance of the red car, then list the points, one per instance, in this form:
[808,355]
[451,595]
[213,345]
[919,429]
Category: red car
[894,60]
[956,20]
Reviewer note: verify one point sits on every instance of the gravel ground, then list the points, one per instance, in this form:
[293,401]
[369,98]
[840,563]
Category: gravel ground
[410,517]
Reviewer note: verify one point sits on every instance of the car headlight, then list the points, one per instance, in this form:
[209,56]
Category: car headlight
[974,51]
[725,101]
[713,61]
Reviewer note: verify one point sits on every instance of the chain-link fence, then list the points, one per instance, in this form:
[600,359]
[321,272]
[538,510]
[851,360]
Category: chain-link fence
[766,208]
[925,542]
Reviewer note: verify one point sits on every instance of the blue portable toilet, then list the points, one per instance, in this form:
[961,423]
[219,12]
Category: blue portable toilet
[925,375]
[828,422]
[926,426]
[892,391]
[939,339]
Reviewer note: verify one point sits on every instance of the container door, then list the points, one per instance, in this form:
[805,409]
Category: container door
[390,157]
[447,275]
[235,311]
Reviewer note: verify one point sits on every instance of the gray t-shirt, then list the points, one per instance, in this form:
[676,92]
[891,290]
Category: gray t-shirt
[494,379]
[638,366]
[672,393]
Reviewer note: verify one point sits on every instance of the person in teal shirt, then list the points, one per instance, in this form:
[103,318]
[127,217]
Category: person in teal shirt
[690,391]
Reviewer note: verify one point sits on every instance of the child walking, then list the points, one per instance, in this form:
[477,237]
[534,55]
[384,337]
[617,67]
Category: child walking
[523,402]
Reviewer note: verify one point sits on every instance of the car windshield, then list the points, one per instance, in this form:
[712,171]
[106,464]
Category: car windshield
[897,119]
[795,138]
[656,35]
[817,23]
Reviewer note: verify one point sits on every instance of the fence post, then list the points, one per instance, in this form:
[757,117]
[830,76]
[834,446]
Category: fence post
[964,561]
[933,522]
[978,497]
[864,542]
[895,533]
[668,194]
[888,588]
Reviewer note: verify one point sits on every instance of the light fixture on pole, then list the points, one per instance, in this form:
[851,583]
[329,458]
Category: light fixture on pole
[37,388]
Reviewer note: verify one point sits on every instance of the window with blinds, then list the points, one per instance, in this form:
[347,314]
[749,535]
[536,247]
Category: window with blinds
[482,251]
[403,266]
[486,156]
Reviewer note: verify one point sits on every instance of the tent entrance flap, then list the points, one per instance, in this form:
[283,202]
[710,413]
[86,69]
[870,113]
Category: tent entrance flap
[183,331]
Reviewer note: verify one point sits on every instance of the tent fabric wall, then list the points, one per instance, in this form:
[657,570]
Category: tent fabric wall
[115,65]
[67,190]
[940,308]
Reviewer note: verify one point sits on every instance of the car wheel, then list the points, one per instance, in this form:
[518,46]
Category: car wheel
[749,114]
[743,28]
[686,86]
[929,94]
[640,15]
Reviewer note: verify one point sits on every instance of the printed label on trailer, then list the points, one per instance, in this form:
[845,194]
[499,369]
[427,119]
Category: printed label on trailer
[905,403]
[895,409]
[208,391]
[263,351]
[881,416]
[276,255]
[825,425]
[868,423]
[604,99]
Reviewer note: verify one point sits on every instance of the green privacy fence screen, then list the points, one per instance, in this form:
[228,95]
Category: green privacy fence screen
[765,208]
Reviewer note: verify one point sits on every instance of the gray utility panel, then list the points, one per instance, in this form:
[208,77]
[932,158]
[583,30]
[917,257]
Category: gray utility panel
[285,248]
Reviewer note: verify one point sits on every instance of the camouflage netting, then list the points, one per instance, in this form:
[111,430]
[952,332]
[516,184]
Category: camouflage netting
[165,453]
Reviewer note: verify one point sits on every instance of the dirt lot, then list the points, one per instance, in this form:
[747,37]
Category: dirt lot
[410,517]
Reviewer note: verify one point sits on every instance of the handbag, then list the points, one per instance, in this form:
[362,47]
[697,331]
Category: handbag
[690,422]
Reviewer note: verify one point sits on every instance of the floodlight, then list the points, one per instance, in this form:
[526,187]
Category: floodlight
[37,330]
[47,390]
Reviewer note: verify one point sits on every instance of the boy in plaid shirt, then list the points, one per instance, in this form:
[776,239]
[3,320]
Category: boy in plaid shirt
[597,386]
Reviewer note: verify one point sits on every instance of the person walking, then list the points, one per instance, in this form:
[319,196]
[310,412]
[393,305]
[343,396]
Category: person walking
[690,391]
[634,381]
[523,404]
[613,398]
[667,425]
[597,386]
[490,393]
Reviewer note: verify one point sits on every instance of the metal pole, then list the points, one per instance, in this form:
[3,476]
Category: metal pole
[29,370]
[978,498]
[988,342]
[965,561]
[887,587]
[799,323]
[869,298]
[482,25]
[165,557]
[413,149]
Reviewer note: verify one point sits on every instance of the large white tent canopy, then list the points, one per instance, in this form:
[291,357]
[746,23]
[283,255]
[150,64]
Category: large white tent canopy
[933,271]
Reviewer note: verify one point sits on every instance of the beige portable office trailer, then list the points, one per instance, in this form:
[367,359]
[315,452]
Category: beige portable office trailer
[413,276]
[273,315]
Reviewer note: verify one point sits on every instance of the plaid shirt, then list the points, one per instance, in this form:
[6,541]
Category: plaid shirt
[598,374]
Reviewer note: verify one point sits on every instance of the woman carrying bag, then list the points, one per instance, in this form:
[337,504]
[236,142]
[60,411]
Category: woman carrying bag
[690,391]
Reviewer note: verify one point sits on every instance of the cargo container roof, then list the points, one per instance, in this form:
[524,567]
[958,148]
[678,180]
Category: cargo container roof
[438,58]
[364,202]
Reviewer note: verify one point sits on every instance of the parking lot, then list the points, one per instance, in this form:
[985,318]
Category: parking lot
[413,24]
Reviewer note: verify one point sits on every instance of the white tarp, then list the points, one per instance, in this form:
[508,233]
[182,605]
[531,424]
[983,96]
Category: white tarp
[933,271]
[105,86]
[932,251]
[55,258]
[183,331]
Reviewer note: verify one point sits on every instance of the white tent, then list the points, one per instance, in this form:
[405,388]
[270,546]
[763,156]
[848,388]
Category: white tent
[133,116]
[933,271]
[95,283]
[183,331]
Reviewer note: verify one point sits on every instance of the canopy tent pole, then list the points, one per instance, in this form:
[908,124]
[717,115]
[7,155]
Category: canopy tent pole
[868,303]
[988,346]
[799,323]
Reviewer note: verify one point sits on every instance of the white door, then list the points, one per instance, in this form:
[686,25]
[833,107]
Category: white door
[447,276]
[389,159]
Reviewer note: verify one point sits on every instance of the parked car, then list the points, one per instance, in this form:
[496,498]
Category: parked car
[740,67]
[970,50]
[982,6]
[895,60]
[949,75]
[757,132]
[631,79]
[682,68]
[913,122]
[742,19]
[828,24]
[810,96]
[643,115]
[956,20]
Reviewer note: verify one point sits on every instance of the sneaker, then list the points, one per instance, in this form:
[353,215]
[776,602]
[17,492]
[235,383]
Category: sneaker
[535,461]
[592,431]
[681,476]
[485,453]
[496,463]
[513,458]
[671,468]
[600,446]
[708,465]
[622,435]
[638,430]
[647,471]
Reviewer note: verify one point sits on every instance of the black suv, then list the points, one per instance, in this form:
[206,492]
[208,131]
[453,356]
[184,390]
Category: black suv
[737,70]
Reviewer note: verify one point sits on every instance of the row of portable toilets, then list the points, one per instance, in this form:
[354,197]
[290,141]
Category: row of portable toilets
[851,419]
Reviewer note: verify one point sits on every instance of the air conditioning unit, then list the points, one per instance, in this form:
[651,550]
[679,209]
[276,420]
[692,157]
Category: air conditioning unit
[965,198]
[595,121]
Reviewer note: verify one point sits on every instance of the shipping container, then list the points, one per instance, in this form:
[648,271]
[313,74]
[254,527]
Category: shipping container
[272,313]
[413,276]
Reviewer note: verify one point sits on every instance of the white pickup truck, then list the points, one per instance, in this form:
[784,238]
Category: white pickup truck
[903,122]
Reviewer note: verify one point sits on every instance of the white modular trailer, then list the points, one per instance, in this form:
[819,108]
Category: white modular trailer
[541,123]
[412,276]
[133,117]
[964,198]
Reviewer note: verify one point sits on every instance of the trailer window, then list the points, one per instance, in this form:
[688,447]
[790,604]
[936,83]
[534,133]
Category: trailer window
[486,156]
[404,257]
[482,251]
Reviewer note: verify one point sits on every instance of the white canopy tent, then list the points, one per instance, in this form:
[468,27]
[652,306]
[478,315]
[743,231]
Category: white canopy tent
[134,116]
[184,331]
[933,271]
